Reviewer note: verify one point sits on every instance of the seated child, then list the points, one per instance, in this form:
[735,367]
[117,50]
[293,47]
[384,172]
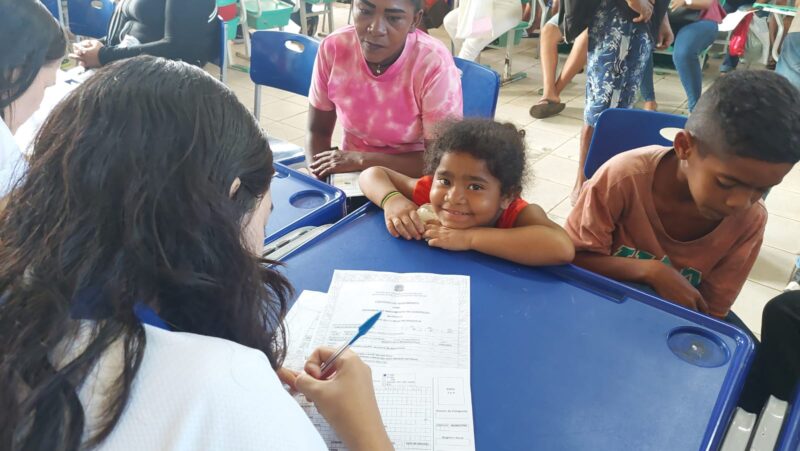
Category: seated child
[688,221]
[476,169]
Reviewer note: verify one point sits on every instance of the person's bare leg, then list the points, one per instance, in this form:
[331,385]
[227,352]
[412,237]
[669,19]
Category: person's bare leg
[586,139]
[548,55]
[575,61]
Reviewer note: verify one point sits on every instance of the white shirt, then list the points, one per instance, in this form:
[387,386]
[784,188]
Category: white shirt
[194,392]
[12,163]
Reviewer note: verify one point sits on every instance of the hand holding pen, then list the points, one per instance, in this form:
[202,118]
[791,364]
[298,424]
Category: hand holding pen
[347,398]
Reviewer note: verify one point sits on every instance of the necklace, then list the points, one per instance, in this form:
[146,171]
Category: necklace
[378,68]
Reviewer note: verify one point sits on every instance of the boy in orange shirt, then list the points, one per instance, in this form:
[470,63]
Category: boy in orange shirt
[689,221]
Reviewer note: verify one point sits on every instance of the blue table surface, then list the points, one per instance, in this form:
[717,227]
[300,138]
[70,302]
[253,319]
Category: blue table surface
[323,203]
[562,359]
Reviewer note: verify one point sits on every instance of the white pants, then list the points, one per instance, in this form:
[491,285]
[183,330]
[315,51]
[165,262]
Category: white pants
[506,15]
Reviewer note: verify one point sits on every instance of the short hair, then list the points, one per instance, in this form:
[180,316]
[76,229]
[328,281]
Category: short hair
[500,145]
[752,114]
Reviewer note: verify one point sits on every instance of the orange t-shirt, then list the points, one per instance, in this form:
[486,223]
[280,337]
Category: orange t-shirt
[615,215]
[422,195]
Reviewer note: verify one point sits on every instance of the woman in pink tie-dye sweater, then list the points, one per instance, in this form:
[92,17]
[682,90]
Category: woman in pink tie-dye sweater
[388,83]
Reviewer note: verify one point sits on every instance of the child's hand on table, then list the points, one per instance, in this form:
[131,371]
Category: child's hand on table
[402,218]
[447,238]
[671,285]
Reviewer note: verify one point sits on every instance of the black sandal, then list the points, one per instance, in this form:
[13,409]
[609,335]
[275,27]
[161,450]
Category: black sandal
[546,108]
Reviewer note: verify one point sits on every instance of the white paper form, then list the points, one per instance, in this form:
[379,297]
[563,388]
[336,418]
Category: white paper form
[419,359]
[425,320]
[302,321]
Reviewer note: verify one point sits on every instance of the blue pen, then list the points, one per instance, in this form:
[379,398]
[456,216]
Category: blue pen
[361,331]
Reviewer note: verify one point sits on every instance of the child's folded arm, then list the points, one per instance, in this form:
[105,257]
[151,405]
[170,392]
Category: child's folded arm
[376,182]
[400,213]
[534,240]
[667,282]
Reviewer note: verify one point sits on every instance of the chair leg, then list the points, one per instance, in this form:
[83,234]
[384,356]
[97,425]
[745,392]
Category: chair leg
[245,28]
[329,9]
[303,24]
[257,103]
[350,15]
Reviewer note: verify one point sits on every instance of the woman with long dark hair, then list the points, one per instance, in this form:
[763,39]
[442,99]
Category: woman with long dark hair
[26,68]
[135,310]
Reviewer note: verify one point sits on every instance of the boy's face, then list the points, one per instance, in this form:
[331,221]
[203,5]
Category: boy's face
[723,184]
[465,194]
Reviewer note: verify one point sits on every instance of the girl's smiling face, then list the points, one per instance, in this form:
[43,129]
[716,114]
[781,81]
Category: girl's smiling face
[465,194]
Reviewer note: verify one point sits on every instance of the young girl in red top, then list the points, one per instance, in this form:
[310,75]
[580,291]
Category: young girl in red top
[476,169]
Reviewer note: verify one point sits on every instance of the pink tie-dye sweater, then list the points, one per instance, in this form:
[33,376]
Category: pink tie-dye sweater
[393,112]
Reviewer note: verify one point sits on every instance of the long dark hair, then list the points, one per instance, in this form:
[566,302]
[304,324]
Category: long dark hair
[33,38]
[128,201]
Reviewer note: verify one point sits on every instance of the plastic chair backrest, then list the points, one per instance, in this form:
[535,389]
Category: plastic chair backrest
[283,60]
[89,17]
[480,87]
[618,130]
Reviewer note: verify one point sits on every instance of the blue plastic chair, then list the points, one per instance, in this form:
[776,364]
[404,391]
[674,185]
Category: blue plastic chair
[54,6]
[618,130]
[283,61]
[221,59]
[89,17]
[480,87]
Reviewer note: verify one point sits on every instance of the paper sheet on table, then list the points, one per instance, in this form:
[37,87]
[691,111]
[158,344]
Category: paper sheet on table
[418,351]
[302,321]
[347,182]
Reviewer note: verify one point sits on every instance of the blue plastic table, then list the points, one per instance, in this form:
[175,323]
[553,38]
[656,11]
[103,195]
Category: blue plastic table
[300,201]
[789,439]
[562,359]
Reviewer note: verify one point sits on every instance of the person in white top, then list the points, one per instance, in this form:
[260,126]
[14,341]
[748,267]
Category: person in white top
[476,23]
[27,68]
[135,309]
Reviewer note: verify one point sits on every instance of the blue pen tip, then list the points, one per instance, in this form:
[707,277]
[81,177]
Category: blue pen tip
[369,323]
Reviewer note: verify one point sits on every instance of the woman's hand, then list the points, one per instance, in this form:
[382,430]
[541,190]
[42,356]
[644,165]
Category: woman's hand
[643,7]
[675,4]
[335,161]
[346,399]
[402,218]
[87,53]
[447,238]
[665,35]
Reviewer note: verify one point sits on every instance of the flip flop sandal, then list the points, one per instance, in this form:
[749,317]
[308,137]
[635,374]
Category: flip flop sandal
[546,109]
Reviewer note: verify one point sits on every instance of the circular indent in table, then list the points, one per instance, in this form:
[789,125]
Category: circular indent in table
[308,199]
[698,347]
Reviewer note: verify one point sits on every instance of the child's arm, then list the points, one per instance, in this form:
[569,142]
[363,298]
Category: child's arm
[399,211]
[534,240]
[665,280]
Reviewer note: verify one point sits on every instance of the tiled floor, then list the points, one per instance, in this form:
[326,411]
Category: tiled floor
[553,153]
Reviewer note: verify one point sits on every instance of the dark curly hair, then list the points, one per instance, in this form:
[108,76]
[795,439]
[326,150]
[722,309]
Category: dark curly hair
[500,145]
[128,201]
[750,113]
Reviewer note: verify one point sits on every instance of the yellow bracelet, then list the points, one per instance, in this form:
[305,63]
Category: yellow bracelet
[388,196]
